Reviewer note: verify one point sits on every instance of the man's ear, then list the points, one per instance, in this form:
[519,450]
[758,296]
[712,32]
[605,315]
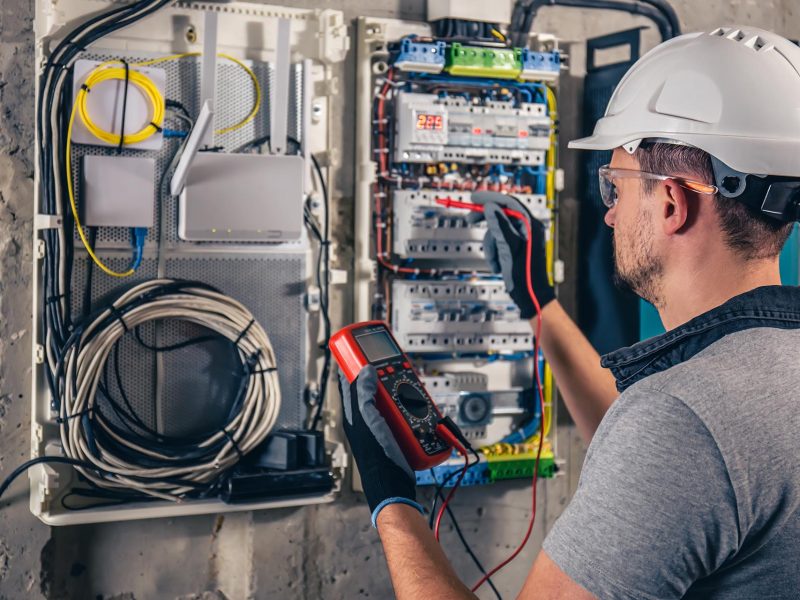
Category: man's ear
[675,208]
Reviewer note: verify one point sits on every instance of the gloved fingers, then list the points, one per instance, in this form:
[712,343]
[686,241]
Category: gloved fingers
[490,252]
[502,226]
[474,217]
[366,388]
[503,200]
[509,244]
[344,393]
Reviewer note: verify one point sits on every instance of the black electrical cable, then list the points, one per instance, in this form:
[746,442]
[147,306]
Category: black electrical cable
[665,7]
[324,295]
[87,290]
[459,533]
[67,461]
[658,11]
[444,482]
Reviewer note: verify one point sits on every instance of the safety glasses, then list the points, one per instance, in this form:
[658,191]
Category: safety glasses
[608,191]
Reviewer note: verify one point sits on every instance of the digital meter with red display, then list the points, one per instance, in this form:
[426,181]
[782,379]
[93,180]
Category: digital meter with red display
[401,399]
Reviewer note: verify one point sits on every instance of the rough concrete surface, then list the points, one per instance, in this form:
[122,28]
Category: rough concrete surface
[327,551]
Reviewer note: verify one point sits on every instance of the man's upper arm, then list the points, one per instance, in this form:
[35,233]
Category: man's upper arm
[654,510]
[547,580]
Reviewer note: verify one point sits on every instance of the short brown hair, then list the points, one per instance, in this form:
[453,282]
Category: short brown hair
[751,234]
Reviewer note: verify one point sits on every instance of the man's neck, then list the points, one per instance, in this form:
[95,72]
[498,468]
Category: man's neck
[688,293]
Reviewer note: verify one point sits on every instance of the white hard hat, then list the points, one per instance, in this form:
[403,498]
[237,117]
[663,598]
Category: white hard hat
[733,92]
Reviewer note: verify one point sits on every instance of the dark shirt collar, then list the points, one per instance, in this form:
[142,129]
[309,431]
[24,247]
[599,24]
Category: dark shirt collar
[768,306]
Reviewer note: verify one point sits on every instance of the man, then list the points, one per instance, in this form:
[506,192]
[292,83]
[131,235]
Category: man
[691,484]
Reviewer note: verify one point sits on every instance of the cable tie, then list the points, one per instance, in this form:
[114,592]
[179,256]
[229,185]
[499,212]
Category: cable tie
[88,410]
[124,107]
[115,311]
[233,443]
[244,332]
[54,299]
[156,127]
[86,88]
[262,371]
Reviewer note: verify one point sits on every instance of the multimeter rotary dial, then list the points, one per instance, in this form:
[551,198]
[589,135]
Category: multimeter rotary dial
[411,398]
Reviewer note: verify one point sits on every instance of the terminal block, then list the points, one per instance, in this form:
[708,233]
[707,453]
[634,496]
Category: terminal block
[513,461]
[422,57]
[477,61]
[540,66]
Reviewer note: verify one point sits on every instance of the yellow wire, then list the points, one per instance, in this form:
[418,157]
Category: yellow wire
[150,90]
[107,270]
[137,78]
[256,86]
[550,191]
[498,35]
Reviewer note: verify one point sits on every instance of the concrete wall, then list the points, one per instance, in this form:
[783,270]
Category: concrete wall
[319,552]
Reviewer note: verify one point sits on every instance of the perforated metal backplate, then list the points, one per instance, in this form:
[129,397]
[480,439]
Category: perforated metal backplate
[272,287]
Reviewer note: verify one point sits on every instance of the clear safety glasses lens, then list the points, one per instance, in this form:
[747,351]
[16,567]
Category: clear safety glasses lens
[608,191]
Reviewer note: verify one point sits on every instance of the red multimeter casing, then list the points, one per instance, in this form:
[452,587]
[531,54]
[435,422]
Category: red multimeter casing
[401,399]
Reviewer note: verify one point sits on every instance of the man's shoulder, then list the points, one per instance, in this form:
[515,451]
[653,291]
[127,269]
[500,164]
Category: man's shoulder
[734,365]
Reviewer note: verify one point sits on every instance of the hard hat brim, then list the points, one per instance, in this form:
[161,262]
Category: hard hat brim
[596,142]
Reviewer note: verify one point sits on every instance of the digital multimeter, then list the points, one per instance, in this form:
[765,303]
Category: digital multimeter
[401,399]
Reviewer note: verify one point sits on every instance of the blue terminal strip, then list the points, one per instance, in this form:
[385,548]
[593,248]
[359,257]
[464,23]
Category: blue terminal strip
[422,57]
[477,474]
[539,65]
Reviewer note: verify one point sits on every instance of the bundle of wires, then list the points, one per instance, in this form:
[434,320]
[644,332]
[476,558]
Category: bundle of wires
[133,457]
[52,120]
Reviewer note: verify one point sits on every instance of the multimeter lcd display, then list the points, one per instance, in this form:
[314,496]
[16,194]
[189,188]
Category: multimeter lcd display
[377,345]
[429,122]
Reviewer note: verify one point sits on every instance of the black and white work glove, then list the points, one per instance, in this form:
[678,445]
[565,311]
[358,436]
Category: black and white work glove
[505,247]
[385,474]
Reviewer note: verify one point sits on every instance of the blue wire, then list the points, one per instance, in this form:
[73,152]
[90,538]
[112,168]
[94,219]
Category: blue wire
[139,235]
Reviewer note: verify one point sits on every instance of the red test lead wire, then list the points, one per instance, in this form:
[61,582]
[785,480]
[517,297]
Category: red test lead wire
[443,432]
[450,202]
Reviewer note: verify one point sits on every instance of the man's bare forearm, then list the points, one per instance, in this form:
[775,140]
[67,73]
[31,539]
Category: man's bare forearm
[417,564]
[587,388]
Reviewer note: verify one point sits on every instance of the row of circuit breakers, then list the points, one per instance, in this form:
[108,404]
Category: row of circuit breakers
[456,118]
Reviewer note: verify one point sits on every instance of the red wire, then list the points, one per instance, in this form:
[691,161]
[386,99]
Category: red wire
[450,202]
[451,494]
[532,294]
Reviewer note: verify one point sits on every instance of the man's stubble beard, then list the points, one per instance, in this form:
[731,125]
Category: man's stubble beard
[639,270]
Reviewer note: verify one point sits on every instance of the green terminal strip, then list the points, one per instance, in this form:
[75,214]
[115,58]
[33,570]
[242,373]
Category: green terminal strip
[474,61]
[518,467]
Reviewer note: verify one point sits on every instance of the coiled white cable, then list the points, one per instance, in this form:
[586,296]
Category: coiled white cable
[147,470]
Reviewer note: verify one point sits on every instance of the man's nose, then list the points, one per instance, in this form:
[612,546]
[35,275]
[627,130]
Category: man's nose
[610,216]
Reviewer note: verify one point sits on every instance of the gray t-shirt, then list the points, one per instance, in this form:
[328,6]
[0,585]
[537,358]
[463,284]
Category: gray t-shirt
[691,485]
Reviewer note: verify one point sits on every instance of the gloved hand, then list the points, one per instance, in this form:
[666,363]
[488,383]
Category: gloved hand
[505,246]
[385,474]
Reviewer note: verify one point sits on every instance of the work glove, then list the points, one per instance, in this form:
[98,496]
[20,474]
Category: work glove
[505,247]
[385,474]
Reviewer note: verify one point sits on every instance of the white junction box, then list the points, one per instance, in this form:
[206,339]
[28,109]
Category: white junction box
[118,191]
